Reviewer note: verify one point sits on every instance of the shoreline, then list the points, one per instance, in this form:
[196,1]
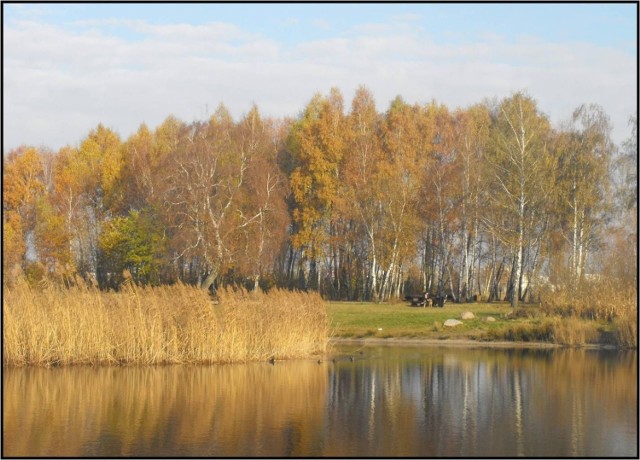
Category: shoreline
[460,343]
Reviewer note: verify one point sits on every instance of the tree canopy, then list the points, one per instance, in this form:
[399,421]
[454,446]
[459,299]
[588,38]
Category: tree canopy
[485,201]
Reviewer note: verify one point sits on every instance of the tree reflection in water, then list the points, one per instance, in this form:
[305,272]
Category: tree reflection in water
[447,402]
[394,401]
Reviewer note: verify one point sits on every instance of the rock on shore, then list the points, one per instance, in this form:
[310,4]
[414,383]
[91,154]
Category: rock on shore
[452,323]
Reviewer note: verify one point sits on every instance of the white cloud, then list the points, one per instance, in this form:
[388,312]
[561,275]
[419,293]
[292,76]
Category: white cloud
[59,83]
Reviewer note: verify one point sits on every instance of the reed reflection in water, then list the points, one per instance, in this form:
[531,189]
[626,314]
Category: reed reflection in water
[389,401]
[243,409]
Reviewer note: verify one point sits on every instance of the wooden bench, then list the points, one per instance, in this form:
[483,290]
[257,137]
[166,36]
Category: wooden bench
[418,301]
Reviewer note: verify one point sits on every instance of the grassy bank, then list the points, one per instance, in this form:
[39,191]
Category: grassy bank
[529,324]
[50,325]
[168,324]
[385,320]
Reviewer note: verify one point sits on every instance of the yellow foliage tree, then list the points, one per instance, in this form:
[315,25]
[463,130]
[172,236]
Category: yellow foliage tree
[22,185]
[316,142]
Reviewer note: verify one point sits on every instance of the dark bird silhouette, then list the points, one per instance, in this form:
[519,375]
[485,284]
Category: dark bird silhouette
[272,360]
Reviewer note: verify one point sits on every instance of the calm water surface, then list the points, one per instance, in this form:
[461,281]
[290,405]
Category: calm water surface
[388,401]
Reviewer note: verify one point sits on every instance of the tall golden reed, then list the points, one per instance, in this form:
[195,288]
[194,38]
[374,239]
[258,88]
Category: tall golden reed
[609,301]
[53,325]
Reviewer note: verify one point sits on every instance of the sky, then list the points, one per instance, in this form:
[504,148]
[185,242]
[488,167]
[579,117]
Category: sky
[69,67]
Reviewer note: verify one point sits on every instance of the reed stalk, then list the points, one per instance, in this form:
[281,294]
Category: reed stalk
[53,325]
[608,300]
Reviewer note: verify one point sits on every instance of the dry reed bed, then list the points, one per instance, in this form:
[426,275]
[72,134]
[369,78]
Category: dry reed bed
[574,314]
[158,325]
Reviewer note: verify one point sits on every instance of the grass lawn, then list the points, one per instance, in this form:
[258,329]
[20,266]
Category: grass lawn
[385,320]
[367,319]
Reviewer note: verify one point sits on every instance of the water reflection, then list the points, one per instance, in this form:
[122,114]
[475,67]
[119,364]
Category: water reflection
[243,410]
[390,401]
[443,402]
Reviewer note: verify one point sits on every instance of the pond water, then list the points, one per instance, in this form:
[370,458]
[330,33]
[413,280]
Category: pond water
[388,401]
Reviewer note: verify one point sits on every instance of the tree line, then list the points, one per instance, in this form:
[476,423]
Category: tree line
[488,201]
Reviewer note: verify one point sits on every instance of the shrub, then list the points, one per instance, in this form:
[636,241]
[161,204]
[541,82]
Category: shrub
[532,332]
[573,331]
[608,299]
[626,330]
[597,300]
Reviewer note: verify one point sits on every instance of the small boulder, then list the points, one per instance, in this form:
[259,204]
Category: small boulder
[468,315]
[490,319]
[452,323]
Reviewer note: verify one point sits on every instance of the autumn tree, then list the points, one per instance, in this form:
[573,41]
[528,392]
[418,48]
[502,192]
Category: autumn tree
[14,246]
[620,258]
[22,180]
[85,192]
[472,127]
[23,185]
[359,203]
[627,168]
[441,192]
[70,201]
[521,166]
[144,156]
[316,144]
[582,184]
[51,239]
[202,178]
[135,243]
[216,196]
[101,155]
[139,166]
[396,184]
[261,208]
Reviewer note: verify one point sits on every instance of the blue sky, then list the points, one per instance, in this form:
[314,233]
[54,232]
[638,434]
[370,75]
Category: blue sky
[605,24]
[123,64]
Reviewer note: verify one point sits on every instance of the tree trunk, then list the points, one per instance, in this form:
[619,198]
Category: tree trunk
[518,262]
[464,271]
[208,280]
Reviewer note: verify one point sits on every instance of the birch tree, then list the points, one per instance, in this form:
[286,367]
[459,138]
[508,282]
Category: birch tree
[261,208]
[471,133]
[521,166]
[396,185]
[23,186]
[359,204]
[203,178]
[582,185]
[316,144]
[440,193]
